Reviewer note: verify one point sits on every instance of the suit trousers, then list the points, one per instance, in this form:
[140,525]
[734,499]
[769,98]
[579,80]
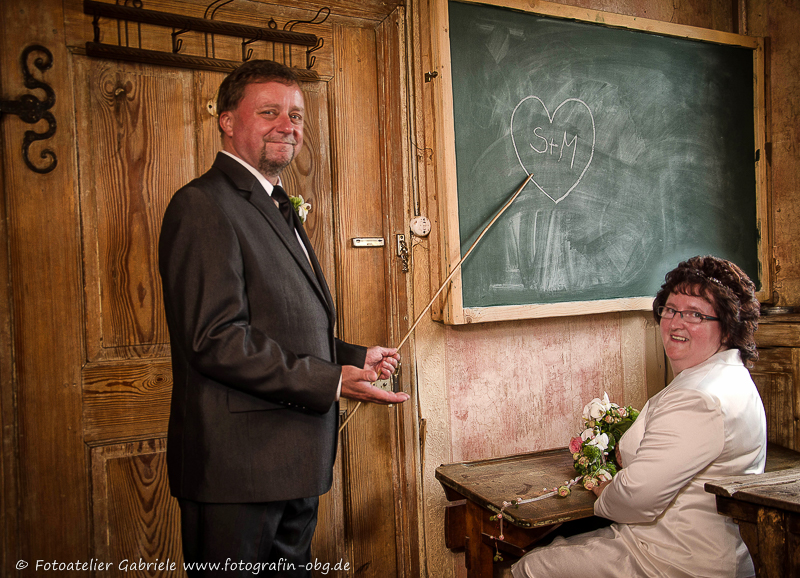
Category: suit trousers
[270,539]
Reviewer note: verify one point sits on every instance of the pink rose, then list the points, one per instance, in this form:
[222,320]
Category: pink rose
[589,483]
[575,444]
[563,491]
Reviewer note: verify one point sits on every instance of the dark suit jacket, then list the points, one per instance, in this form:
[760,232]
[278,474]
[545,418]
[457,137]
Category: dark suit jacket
[254,360]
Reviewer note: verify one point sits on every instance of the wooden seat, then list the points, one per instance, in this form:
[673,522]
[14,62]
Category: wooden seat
[767,509]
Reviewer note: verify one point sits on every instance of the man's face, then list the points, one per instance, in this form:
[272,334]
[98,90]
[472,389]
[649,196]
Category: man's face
[266,129]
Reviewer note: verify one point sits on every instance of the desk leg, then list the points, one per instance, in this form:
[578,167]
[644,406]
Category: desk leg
[479,556]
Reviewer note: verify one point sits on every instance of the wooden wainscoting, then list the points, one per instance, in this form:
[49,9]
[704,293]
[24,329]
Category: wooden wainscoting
[777,376]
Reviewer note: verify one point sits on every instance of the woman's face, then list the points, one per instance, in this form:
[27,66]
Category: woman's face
[687,344]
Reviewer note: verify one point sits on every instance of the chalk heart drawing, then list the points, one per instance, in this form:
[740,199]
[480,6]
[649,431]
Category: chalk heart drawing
[551,117]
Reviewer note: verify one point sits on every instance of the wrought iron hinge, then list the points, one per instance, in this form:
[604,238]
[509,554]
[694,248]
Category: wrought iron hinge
[31,110]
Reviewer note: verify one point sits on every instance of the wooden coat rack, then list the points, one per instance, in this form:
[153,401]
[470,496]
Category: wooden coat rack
[180,25]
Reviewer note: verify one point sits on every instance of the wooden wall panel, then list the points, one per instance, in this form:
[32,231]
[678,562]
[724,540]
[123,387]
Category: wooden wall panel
[8,441]
[137,142]
[775,375]
[44,270]
[330,542]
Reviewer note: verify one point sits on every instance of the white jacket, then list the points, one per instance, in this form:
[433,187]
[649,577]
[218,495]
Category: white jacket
[709,423]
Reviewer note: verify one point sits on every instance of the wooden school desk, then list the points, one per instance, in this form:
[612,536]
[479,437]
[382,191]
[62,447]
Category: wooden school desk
[476,491]
[767,509]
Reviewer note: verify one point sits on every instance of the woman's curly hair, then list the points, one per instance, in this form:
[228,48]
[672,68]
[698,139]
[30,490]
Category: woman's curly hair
[731,292]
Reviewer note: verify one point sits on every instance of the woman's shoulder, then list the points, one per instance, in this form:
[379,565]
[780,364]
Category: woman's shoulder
[717,382]
[722,366]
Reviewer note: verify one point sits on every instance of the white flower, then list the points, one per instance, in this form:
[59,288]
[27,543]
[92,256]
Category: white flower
[301,207]
[596,408]
[588,434]
[601,441]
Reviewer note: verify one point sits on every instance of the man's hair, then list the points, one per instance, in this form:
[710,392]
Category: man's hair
[732,294]
[232,88]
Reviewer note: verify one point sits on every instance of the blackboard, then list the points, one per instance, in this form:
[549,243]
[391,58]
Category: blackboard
[644,149]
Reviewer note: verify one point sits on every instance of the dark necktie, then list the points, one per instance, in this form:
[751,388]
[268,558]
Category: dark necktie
[284,204]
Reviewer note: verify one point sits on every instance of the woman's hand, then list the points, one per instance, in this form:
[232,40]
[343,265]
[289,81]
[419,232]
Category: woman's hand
[598,489]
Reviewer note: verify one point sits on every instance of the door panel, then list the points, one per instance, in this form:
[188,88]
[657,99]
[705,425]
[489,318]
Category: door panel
[134,516]
[134,122]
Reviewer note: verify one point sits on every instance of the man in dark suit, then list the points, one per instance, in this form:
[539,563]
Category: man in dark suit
[257,370]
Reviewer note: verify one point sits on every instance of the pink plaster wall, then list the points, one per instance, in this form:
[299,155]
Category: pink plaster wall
[521,386]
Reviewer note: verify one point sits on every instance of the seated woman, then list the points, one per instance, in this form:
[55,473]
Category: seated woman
[708,423]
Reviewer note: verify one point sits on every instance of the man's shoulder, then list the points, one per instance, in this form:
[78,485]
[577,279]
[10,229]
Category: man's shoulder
[211,185]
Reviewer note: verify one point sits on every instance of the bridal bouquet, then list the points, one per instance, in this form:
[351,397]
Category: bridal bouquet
[593,449]
[593,452]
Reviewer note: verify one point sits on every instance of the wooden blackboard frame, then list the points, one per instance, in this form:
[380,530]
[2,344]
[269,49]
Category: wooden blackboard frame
[453,311]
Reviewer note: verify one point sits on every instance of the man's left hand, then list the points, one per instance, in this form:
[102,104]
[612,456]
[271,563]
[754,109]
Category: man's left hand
[382,360]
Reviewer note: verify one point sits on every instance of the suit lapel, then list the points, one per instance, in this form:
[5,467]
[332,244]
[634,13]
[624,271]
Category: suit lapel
[248,184]
[314,262]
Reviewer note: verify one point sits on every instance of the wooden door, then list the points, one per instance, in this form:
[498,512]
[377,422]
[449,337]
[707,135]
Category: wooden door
[85,459]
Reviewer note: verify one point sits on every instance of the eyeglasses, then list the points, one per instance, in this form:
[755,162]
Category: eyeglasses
[688,316]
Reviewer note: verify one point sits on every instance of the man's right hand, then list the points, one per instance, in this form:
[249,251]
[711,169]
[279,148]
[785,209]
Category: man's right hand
[357,385]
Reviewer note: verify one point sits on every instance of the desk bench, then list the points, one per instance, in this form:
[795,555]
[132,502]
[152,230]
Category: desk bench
[476,491]
[767,509]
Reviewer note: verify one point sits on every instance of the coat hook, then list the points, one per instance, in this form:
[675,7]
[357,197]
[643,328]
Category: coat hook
[430,75]
[177,42]
[247,54]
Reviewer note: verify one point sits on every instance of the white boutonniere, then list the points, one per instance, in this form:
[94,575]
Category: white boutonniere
[301,207]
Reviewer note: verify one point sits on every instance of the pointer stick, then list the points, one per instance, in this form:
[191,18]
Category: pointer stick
[456,267]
